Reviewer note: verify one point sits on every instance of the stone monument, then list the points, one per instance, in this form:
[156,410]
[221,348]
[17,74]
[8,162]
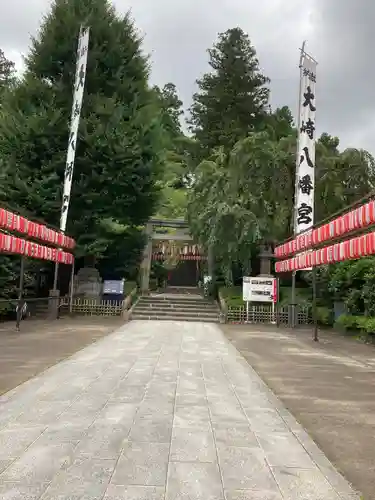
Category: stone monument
[88,284]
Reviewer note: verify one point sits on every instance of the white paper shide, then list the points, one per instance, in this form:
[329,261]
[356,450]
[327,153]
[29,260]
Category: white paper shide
[79,85]
[305,172]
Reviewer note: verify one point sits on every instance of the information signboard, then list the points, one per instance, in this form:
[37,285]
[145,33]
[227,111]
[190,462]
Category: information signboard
[259,289]
[115,287]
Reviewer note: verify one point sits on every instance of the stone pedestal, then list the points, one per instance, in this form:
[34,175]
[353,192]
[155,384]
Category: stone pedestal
[53,304]
[88,284]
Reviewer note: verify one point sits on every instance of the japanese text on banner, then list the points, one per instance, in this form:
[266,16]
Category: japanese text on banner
[305,182]
[79,84]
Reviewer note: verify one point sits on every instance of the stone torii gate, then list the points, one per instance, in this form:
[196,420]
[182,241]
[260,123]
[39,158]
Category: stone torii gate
[166,239]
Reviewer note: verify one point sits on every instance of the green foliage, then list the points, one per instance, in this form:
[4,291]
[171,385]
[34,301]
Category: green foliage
[129,287]
[9,276]
[347,323]
[123,255]
[171,107]
[10,267]
[243,187]
[352,282]
[7,74]
[232,296]
[368,325]
[342,177]
[173,185]
[325,316]
[302,296]
[235,201]
[232,98]
[121,139]
[363,326]
[368,290]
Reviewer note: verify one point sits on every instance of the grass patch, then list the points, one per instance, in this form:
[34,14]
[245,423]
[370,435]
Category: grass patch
[129,287]
[232,296]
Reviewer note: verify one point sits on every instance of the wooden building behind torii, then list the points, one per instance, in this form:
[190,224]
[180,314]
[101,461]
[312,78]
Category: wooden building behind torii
[166,240]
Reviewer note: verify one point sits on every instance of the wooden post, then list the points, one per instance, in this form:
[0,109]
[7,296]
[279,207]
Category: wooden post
[20,302]
[71,291]
[314,307]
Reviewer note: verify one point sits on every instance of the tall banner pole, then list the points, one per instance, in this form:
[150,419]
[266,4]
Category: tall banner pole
[79,85]
[302,50]
[305,165]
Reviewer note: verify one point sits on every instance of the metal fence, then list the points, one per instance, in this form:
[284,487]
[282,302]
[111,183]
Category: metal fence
[265,314]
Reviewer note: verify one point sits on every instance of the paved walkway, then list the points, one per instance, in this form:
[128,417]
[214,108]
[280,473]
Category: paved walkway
[157,410]
[41,344]
[329,387]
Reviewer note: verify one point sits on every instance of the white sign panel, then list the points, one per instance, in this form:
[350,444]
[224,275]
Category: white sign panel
[259,289]
[79,85]
[115,287]
[305,172]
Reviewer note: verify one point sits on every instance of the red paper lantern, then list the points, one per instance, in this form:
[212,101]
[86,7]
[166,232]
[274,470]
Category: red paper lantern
[15,222]
[354,248]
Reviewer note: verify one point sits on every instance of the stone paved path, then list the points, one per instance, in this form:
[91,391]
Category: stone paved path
[157,410]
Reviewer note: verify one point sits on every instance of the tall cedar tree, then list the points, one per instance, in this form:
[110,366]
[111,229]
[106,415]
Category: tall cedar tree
[232,98]
[171,106]
[122,258]
[9,267]
[7,71]
[118,158]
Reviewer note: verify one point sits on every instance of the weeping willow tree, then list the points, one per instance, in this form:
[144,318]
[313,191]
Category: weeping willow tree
[235,204]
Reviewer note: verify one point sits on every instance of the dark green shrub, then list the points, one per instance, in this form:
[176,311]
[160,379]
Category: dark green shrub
[368,325]
[347,323]
[325,316]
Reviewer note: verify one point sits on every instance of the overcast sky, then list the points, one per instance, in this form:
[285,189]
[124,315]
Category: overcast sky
[177,33]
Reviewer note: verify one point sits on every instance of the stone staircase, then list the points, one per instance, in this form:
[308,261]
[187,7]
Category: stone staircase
[176,307]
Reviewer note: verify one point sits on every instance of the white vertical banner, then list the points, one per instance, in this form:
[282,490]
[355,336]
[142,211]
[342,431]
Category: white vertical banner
[79,85]
[305,171]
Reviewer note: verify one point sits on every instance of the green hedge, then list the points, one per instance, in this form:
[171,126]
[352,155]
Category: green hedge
[356,324]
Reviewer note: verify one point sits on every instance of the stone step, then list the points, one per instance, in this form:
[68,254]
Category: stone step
[174,310]
[181,314]
[202,319]
[174,300]
[181,291]
[190,310]
[173,305]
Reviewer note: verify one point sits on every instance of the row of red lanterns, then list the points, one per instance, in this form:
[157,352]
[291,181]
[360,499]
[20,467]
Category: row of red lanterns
[361,246]
[14,222]
[360,218]
[13,245]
